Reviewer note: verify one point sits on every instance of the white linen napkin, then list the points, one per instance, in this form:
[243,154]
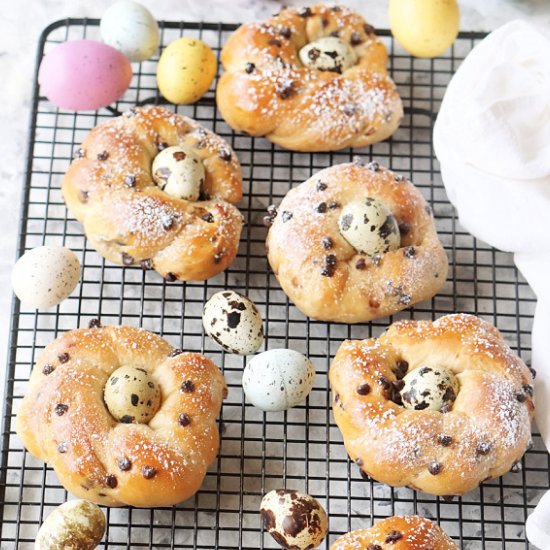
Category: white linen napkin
[492,138]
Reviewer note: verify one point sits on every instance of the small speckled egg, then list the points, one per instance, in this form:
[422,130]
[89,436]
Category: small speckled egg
[44,276]
[129,27]
[278,379]
[131,395]
[295,520]
[234,322]
[328,54]
[369,227]
[429,388]
[84,75]
[75,525]
[179,172]
[185,70]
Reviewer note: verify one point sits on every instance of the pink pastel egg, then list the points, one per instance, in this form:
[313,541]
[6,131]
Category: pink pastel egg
[84,75]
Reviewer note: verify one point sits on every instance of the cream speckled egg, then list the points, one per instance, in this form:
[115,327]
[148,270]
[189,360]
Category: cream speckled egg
[44,276]
[129,27]
[75,525]
[185,70]
[131,395]
[234,322]
[295,520]
[369,227]
[278,379]
[429,388]
[179,172]
[328,54]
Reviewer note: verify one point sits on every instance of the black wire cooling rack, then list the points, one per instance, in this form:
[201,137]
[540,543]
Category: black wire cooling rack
[301,448]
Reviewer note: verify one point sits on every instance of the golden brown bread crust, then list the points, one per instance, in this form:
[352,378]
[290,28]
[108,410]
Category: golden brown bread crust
[489,423]
[302,108]
[84,443]
[361,288]
[397,533]
[129,220]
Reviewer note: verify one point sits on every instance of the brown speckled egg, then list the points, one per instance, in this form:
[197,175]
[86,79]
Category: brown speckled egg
[295,520]
[131,395]
[75,525]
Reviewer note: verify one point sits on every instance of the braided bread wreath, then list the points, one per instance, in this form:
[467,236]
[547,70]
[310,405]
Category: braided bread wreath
[399,533]
[282,80]
[126,216]
[155,455]
[328,278]
[479,436]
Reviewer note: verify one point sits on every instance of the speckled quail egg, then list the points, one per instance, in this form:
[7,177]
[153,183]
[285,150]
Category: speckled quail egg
[44,276]
[131,395]
[130,28]
[234,322]
[278,379]
[295,520]
[429,388]
[369,226]
[75,525]
[179,172]
[328,54]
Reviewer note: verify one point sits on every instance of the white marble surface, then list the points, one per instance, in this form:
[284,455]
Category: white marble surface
[23,20]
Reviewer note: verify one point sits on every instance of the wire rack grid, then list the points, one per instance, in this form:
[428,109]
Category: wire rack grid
[301,448]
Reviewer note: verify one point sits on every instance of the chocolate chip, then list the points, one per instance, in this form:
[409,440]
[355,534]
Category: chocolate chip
[399,178]
[184,420]
[168,222]
[47,369]
[224,154]
[321,186]
[124,463]
[146,264]
[267,221]
[61,409]
[218,258]
[349,109]
[384,382]
[327,243]
[364,475]
[321,208]
[208,218]
[328,271]
[445,408]
[111,481]
[533,372]
[401,368]
[285,91]
[373,166]
[516,467]
[63,357]
[285,32]
[79,153]
[528,389]
[170,277]
[376,260]
[83,196]
[332,205]
[374,547]
[274,42]
[148,472]
[359,462]
[305,12]
[369,29]
[336,34]
[521,397]
[130,181]
[127,259]
[360,264]
[363,389]
[187,386]
[103,155]
[94,323]
[409,252]
[444,439]
[62,447]
[285,216]
[161,145]
[249,67]
[484,448]
[404,228]
[330,260]
[393,537]
[434,467]
[175,352]
[398,385]
[355,38]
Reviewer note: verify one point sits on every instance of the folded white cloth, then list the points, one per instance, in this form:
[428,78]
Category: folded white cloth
[492,138]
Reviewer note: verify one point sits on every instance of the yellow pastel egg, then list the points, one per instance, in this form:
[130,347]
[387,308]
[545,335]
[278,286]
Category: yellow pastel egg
[185,70]
[425,28]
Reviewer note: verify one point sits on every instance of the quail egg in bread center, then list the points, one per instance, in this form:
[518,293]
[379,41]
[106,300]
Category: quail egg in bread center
[179,172]
[431,388]
[328,54]
[131,395]
[369,226]
[295,520]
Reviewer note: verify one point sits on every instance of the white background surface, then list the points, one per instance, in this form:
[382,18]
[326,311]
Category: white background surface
[21,22]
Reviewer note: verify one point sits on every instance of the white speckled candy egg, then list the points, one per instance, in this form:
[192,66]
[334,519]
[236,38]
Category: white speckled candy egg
[295,520]
[131,395]
[234,322]
[75,525]
[369,227]
[429,388]
[130,28]
[328,54]
[278,379]
[179,172]
[44,276]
